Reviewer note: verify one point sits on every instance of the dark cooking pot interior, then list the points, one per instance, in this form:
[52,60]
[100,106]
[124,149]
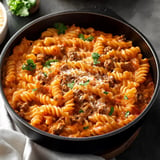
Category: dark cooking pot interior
[96,144]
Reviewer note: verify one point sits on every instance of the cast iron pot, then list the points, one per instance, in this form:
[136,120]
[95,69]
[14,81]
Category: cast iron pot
[108,23]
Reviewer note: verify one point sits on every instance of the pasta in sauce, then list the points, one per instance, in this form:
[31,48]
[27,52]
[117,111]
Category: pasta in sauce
[77,82]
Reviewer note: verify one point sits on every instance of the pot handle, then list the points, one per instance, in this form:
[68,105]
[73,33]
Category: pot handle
[105,11]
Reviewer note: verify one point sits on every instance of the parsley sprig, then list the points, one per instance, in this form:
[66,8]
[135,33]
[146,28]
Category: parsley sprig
[81,111]
[127,114]
[48,63]
[81,36]
[95,57]
[70,85]
[111,111]
[85,83]
[30,65]
[21,7]
[105,92]
[35,89]
[86,127]
[60,27]
[125,97]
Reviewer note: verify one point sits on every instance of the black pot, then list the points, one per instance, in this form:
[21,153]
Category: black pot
[106,23]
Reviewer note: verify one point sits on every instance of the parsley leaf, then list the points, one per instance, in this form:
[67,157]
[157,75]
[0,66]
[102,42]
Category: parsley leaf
[127,114]
[81,111]
[60,27]
[70,85]
[105,92]
[21,7]
[35,89]
[30,66]
[81,36]
[85,83]
[90,38]
[95,57]
[48,63]
[125,97]
[86,127]
[111,111]
[45,74]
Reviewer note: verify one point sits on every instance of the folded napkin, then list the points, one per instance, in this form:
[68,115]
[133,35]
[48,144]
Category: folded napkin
[16,146]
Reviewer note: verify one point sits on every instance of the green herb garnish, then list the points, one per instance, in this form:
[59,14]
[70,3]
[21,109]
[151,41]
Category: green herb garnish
[85,83]
[105,92]
[81,36]
[48,63]
[90,38]
[21,7]
[86,127]
[71,85]
[30,66]
[60,27]
[127,114]
[81,111]
[111,111]
[95,57]
[35,89]
[125,97]
[45,74]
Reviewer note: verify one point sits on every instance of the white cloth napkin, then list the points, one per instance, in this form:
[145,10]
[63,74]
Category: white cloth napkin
[16,146]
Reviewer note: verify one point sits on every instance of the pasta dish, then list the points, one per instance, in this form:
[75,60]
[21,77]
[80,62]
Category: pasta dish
[77,82]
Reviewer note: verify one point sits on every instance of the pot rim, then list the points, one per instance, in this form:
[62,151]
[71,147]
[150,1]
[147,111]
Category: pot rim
[106,135]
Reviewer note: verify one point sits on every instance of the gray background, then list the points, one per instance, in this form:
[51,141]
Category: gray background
[145,16]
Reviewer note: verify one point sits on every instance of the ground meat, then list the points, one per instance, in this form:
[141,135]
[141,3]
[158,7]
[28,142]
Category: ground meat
[77,97]
[101,108]
[64,67]
[107,49]
[115,59]
[42,78]
[86,110]
[65,79]
[140,98]
[59,128]
[127,66]
[109,64]
[111,81]
[22,108]
[73,56]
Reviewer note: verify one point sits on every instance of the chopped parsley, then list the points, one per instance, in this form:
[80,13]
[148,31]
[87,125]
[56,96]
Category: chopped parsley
[85,83]
[86,127]
[35,89]
[125,97]
[111,111]
[90,38]
[81,36]
[81,111]
[30,65]
[48,63]
[21,7]
[105,92]
[45,74]
[60,27]
[95,57]
[127,114]
[70,85]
